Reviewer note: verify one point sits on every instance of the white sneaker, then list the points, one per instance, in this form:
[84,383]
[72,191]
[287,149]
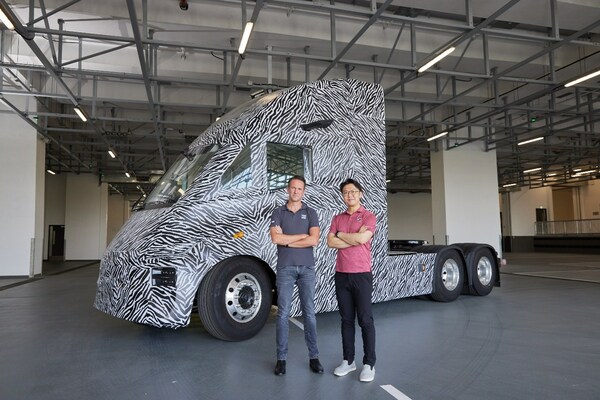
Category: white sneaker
[344,368]
[367,374]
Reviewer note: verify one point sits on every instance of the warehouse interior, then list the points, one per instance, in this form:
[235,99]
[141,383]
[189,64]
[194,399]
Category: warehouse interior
[501,98]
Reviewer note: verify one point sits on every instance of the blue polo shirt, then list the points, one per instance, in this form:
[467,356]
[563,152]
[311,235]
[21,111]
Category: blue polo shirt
[292,224]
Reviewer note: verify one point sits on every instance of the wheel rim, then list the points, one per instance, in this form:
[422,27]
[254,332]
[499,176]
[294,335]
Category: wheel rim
[484,271]
[243,298]
[450,274]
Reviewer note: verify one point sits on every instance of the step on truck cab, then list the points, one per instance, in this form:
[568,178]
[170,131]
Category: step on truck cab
[202,234]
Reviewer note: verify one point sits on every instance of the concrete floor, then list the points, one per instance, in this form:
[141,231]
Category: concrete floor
[532,338]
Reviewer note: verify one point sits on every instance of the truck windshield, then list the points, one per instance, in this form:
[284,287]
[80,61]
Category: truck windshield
[179,177]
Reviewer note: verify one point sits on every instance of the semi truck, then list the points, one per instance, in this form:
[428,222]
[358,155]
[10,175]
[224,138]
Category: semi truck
[201,237]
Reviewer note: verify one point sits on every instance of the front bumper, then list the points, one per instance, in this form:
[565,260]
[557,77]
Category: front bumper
[142,291]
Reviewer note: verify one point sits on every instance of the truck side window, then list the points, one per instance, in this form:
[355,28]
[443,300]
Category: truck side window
[285,161]
[239,173]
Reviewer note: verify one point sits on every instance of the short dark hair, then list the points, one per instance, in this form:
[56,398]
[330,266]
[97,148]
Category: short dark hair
[297,177]
[350,181]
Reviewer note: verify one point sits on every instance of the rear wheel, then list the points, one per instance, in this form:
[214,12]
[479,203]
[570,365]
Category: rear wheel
[448,276]
[483,271]
[234,299]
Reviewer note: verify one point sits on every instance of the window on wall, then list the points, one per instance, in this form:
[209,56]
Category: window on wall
[285,161]
[239,174]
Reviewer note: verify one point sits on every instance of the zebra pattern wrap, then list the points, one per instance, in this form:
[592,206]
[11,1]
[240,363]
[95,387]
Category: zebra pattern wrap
[208,224]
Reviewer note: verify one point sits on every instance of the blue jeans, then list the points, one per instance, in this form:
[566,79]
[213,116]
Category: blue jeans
[304,277]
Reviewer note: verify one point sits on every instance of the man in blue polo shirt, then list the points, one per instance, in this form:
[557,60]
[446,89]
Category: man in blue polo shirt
[295,230]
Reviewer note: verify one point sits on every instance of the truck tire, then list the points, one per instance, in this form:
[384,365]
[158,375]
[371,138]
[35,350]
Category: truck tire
[234,299]
[483,271]
[448,278]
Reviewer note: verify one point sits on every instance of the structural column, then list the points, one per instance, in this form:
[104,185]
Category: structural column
[86,214]
[22,175]
[465,202]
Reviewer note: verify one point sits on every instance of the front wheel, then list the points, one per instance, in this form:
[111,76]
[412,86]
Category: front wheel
[234,299]
[448,276]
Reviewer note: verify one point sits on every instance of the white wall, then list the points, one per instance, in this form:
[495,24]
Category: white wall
[40,186]
[85,217]
[522,209]
[118,213]
[590,200]
[409,216]
[21,203]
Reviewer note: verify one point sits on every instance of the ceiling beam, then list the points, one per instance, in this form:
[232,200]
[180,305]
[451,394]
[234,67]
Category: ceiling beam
[144,67]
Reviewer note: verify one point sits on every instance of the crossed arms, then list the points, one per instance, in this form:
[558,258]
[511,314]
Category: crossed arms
[345,240]
[298,240]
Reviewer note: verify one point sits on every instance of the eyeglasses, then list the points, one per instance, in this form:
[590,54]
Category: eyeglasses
[350,192]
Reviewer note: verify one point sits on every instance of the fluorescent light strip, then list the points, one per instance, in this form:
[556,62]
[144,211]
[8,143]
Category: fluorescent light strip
[436,59]
[509,185]
[439,135]
[530,141]
[245,37]
[532,170]
[127,174]
[81,114]
[6,21]
[112,154]
[584,78]
[552,174]
[50,172]
[591,171]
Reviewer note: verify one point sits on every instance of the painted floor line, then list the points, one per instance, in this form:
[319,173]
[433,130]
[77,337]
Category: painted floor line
[585,265]
[395,392]
[292,320]
[297,323]
[555,271]
[560,278]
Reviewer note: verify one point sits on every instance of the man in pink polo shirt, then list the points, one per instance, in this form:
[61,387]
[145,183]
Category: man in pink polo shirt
[351,233]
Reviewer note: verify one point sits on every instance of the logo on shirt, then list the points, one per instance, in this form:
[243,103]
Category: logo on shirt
[359,218]
[303,216]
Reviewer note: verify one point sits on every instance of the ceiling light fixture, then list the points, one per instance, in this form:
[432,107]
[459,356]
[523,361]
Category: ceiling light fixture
[436,59]
[6,21]
[591,171]
[50,172]
[245,37]
[583,78]
[127,174]
[509,185]
[388,180]
[530,141]
[532,170]
[111,153]
[439,135]
[80,113]
[552,174]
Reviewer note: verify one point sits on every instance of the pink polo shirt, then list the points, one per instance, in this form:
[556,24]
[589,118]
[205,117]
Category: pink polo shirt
[354,259]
